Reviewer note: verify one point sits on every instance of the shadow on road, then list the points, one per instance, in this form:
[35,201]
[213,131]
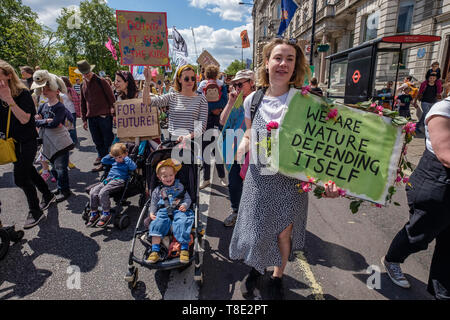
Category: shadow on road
[328,254]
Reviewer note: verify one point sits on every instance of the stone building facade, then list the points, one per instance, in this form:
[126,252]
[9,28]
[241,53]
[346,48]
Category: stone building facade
[344,24]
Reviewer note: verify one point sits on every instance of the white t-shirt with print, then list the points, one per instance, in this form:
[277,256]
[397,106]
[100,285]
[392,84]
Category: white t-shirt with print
[68,103]
[441,108]
[271,108]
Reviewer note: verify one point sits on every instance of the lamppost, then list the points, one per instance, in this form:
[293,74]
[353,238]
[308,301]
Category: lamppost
[253,55]
[313,30]
[242,53]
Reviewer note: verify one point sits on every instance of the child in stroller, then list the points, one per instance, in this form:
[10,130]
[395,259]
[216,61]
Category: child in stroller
[118,174]
[134,184]
[170,201]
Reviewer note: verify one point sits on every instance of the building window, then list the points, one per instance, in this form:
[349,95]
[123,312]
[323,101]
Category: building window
[405,16]
[402,60]
[370,26]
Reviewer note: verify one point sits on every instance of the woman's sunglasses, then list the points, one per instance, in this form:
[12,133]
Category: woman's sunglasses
[186,79]
[240,84]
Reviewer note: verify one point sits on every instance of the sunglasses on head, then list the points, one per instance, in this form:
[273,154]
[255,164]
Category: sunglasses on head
[186,79]
[290,40]
[240,84]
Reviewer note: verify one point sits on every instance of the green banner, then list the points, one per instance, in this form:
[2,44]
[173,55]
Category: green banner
[358,150]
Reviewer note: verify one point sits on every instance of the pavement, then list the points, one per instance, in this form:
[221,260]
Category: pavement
[61,259]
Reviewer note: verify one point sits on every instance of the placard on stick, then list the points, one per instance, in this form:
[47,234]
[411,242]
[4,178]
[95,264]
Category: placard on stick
[143,38]
[136,120]
[358,150]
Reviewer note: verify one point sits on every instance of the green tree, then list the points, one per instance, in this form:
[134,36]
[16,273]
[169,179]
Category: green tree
[23,41]
[82,35]
[235,66]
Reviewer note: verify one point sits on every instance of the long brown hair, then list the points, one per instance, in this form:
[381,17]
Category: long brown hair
[15,84]
[301,66]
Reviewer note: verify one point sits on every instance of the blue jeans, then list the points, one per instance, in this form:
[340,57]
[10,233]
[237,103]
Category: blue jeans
[73,132]
[235,183]
[101,129]
[60,171]
[426,106]
[182,225]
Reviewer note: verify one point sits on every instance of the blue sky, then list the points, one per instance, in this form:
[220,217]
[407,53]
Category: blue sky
[217,23]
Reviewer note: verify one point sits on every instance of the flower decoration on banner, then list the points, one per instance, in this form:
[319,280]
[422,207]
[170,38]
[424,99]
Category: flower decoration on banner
[266,143]
[306,90]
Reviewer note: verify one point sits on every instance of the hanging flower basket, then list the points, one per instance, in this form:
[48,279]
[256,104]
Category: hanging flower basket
[323,47]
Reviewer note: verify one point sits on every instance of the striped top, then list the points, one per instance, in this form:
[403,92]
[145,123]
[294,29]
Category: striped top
[184,113]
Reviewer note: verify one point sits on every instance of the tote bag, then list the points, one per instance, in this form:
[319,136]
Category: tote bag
[7,148]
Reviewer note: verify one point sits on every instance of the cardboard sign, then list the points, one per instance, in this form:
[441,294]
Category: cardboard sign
[135,119]
[231,137]
[143,38]
[206,59]
[74,76]
[358,150]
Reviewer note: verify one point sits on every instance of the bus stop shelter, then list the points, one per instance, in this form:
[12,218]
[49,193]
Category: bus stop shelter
[355,73]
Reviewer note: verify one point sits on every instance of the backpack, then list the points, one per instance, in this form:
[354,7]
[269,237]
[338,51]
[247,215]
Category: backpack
[212,91]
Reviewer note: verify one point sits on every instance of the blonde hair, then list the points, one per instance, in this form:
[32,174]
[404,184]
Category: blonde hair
[301,66]
[15,84]
[211,72]
[118,149]
[182,69]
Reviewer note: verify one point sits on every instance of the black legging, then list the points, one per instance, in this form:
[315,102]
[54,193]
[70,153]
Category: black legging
[26,176]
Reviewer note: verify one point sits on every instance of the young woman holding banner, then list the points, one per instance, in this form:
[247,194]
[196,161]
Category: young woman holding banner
[272,214]
[186,107]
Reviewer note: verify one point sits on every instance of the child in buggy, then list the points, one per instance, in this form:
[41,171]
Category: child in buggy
[171,204]
[170,247]
[118,174]
[132,185]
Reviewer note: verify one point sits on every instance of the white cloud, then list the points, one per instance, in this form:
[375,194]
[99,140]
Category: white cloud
[227,9]
[49,10]
[223,44]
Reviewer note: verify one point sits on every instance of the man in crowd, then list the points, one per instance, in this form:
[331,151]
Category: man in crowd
[97,110]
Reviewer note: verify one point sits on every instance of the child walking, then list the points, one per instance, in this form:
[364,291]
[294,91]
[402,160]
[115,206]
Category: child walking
[117,176]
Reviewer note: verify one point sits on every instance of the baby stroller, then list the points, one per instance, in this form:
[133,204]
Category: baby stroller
[189,177]
[8,234]
[135,185]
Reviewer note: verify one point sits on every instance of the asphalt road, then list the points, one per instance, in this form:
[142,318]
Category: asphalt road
[340,248]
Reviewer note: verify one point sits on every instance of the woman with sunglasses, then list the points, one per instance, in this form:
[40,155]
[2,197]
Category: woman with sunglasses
[186,106]
[242,82]
[271,222]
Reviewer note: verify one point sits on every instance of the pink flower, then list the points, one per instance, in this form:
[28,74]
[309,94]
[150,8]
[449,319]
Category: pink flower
[398,179]
[405,180]
[306,187]
[380,109]
[378,205]
[410,128]
[272,125]
[306,90]
[342,192]
[311,180]
[373,105]
[332,114]
[380,114]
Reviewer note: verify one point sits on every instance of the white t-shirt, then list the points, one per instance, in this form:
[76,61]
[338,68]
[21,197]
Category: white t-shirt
[441,108]
[68,103]
[271,108]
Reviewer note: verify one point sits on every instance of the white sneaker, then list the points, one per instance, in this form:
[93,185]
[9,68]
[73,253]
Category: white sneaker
[395,273]
[205,184]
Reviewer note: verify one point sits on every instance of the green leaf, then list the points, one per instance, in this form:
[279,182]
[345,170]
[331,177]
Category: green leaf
[354,206]
[397,204]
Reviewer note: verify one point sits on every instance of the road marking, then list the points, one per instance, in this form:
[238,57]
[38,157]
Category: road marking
[316,288]
[181,285]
